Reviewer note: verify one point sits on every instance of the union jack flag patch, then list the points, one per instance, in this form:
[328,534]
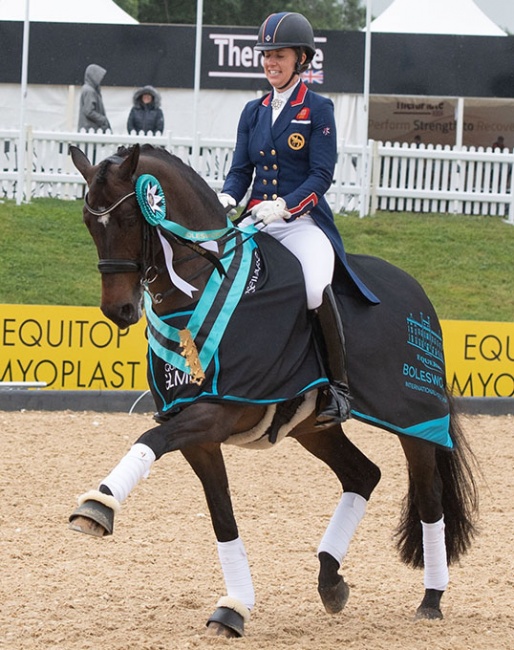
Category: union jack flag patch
[313,76]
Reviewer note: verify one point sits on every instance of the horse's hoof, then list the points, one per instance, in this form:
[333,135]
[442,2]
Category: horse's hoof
[226,622]
[430,609]
[86,526]
[428,614]
[218,629]
[334,598]
[93,518]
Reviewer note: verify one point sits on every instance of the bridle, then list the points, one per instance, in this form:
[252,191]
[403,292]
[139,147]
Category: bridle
[146,267]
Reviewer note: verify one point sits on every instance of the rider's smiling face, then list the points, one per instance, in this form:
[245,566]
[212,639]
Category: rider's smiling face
[279,66]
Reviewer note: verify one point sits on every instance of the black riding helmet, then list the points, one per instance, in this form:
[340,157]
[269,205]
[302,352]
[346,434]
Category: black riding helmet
[288,29]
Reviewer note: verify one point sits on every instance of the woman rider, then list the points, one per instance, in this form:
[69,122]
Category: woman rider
[286,149]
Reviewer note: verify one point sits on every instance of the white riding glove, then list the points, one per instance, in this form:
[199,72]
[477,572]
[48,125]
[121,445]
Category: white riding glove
[228,202]
[269,211]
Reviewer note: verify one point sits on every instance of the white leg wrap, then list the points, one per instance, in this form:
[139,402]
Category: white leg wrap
[134,466]
[343,524]
[236,571]
[434,554]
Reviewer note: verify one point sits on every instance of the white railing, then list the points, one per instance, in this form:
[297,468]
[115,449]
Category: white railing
[380,176]
[49,171]
[436,179]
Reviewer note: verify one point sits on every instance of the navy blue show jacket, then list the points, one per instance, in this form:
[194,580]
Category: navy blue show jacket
[294,159]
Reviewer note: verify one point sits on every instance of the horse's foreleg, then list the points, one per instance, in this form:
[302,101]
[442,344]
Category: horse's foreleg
[422,531]
[96,509]
[358,477]
[233,610]
[198,424]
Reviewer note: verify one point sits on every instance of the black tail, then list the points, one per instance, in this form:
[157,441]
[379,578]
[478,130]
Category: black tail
[459,501]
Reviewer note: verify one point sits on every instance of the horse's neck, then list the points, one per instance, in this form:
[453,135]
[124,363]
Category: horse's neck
[194,207]
[193,273]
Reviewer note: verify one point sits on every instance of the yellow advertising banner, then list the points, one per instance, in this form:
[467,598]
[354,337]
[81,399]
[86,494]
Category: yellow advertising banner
[479,358]
[70,348]
[73,348]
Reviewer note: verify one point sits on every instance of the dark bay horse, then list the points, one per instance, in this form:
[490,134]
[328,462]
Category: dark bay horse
[231,360]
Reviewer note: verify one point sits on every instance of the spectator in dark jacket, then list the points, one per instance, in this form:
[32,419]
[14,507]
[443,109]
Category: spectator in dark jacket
[146,114]
[92,112]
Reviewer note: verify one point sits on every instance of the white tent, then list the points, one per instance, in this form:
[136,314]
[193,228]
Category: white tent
[66,11]
[436,17]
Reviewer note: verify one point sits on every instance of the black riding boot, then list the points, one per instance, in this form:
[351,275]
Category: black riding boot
[334,401]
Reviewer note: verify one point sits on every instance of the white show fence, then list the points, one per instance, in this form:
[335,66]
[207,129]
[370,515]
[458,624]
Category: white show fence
[379,176]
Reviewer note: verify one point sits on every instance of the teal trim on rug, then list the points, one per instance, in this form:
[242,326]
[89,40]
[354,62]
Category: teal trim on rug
[233,398]
[436,431]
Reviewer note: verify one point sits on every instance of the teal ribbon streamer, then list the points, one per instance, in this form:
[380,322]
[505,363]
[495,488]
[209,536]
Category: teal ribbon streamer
[203,307]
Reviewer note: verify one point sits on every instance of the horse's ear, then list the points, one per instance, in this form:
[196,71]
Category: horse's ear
[81,162]
[129,165]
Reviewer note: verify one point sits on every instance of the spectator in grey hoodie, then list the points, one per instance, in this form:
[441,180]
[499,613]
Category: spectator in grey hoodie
[92,112]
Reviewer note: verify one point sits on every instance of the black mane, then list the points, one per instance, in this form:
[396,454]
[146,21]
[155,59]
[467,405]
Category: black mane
[197,183]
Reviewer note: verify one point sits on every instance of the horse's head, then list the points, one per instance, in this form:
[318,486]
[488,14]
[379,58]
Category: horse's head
[113,219]
[128,248]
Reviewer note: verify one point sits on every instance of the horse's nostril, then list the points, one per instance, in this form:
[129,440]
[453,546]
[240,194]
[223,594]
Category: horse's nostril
[126,309]
[128,313]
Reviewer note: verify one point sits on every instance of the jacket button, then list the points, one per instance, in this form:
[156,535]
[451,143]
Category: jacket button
[264,181]
[261,153]
[266,168]
[273,152]
[274,181]
[275,166]
[265,196]
[274,196]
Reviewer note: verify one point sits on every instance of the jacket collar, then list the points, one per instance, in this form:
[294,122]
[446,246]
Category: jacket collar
[296,99]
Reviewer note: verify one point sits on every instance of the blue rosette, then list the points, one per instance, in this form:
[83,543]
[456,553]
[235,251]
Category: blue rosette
[150,197]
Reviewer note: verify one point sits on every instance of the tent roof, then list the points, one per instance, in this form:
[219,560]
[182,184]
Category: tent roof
[436,17]
[66,11]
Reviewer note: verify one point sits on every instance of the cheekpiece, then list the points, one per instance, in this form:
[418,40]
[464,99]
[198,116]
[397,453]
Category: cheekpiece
[151,200]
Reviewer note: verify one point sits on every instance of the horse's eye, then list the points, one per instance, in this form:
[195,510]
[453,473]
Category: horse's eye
[130,220]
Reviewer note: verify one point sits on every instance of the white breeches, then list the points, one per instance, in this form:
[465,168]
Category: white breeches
[313,249]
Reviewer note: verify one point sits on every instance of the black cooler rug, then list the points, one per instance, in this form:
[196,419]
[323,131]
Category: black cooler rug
[255,345]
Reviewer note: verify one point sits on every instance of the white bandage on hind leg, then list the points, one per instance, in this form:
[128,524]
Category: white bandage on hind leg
[236,571]
[342,526]
[436,574]
[134,466]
